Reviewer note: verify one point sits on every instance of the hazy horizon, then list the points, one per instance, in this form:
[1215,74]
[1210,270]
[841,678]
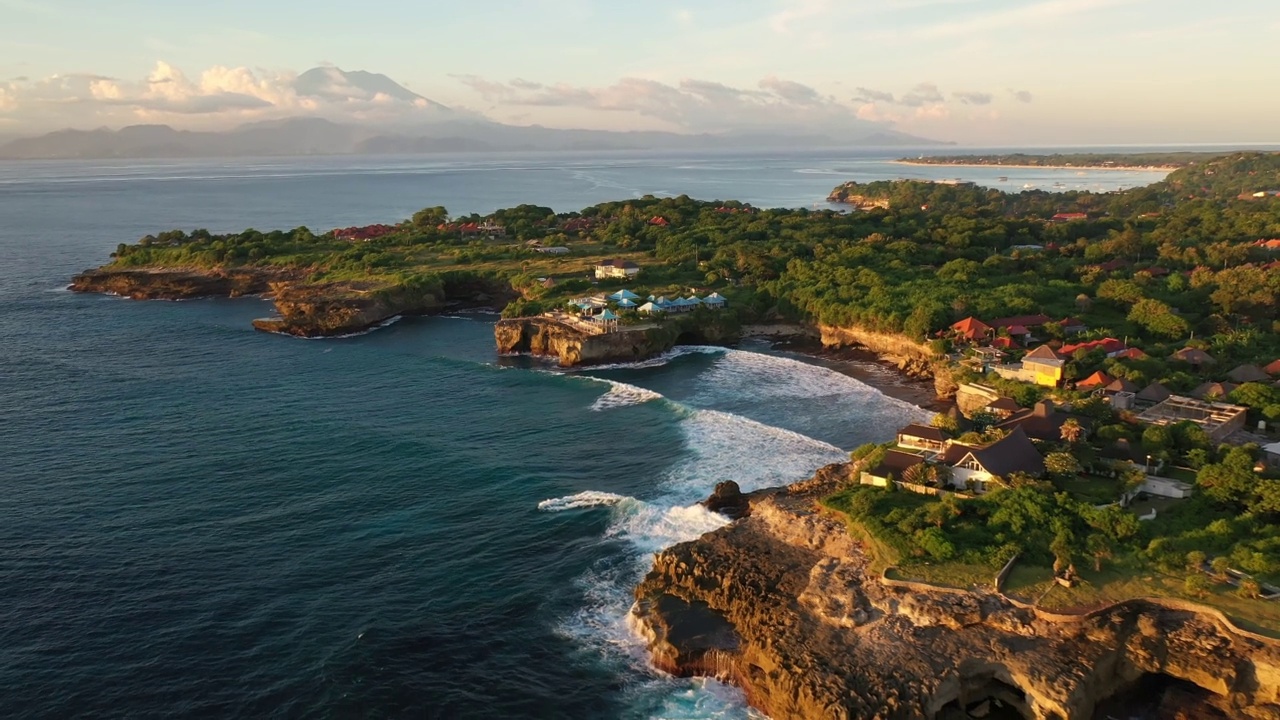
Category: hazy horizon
[979,73]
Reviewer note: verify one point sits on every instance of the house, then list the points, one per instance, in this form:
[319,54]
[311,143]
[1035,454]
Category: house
[1272,368]
[649,308]
[1248,373]
[1003,407]
[1110,347]
[988,355]
[547,283]
[1072,326]
[624,294]
[1153,394]
[714,301]
[1025,321]
[1218,420]
[606,320]
[891,468]
[1097,380]
[1069,216]
[1019,332]
[1042,422]
[1044,365]
[1272,244]
[1206,391]
[624,269]
[979,467]
[922,437]
[626,304]
[1194,357]
[1003,343]
[659,222]
[1131,354]
[1271,454]
[971,328]
[1121,386]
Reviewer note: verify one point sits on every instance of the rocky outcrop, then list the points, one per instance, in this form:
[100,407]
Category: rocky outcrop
[781,603]
[848,194]
[178,283]
[913,359]
[303,308]
[571,346]
[728,500]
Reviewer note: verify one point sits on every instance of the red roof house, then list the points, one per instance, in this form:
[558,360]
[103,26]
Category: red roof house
[1068,217]
[972,328]
[1111,347]
[1096,380]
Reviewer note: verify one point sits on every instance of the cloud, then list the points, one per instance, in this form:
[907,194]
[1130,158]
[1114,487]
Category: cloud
[798,10]
[521,84]
[1020,16]
[867,95]
[973,98]
[691,104]
[792,92]
[217,97]
[1023,96]
[922,94]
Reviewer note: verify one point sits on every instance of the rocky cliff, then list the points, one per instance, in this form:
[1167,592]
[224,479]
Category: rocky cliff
[547,337]
[304,308]
[781,604]
[913,359]
[178,283]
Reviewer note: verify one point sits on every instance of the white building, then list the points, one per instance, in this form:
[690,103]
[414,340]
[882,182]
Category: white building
[624,269]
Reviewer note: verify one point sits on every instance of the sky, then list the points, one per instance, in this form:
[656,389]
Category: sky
[976,72]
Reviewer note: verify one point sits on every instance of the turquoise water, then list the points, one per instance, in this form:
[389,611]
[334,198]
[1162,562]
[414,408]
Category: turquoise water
[201,520]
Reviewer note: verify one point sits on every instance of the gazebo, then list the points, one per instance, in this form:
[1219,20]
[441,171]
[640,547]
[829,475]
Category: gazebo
[608,320]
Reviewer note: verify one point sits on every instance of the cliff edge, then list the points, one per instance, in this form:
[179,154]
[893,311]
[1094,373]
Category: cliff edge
[780,603]
[548,337]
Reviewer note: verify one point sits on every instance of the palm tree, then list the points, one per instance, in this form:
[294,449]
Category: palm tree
[1071,431]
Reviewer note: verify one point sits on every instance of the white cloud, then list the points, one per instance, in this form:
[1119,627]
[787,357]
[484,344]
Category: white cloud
[796,11]
[1023,15]
[974,98]
[219,96]
[1022,96]
[922,94]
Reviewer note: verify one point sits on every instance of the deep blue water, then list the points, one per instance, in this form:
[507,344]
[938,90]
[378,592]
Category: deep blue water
[202,520]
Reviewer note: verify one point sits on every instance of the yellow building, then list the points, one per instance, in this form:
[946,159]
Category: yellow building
[1044,365]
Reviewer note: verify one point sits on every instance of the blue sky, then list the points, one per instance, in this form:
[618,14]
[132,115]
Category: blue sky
[974,71]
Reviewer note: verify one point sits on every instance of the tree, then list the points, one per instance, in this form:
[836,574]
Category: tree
[984,419]
[1158,318]
[1100,548]
[1061,549]
[1061,464]
[945,422]
[1220,565]
[1250,589]
[1195,561]
[1071,431]
[1196,585]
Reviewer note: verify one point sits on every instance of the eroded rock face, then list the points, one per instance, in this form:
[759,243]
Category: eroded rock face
[780,603]
[728,500]
[177,284]
[571,346]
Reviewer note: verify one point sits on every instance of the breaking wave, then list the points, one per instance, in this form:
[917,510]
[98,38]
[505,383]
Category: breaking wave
[621,394]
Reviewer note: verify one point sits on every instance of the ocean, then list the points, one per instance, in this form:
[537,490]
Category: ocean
[200,520]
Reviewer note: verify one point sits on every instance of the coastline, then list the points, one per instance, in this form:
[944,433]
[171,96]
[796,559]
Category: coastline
[1138,168]
[859,363]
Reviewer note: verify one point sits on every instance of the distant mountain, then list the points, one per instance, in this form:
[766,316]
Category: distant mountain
[316,136]
[331,83]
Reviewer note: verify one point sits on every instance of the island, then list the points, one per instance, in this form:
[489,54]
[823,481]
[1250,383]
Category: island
[1071,161]
[1096,514]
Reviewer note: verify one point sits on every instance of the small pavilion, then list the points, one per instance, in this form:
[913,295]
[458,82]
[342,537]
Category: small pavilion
[607,320]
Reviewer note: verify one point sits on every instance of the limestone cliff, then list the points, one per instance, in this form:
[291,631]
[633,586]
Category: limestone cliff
[303,308]
[780,603]
[178,283]
[547,337]
[913,359]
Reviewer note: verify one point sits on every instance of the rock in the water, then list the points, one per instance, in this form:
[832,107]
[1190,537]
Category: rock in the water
[728,500]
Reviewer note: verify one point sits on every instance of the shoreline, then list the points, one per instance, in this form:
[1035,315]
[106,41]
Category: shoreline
[1131,168]
[859,363]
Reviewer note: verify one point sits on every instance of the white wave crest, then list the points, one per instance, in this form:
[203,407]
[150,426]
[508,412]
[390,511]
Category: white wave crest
[587,499]
[662,358]
[621,394]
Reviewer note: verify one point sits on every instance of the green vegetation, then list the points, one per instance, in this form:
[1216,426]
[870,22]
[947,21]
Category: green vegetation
[1118,160]
[1181,250]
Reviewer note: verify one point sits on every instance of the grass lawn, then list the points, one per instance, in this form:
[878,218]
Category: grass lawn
[1093,489]
[955,575]
[1122,581]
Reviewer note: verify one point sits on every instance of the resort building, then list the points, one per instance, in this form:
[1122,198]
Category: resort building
[890,469]
[1042,422]
[624,269]
[922,437]
[1217,419]
[1045,365]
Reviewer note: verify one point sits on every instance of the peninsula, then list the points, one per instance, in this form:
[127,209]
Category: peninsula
[1071,161]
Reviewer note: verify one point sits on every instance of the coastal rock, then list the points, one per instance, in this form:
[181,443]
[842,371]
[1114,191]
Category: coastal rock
[781,604]
[177,283]
[571,346]
[911,358]
[728,500]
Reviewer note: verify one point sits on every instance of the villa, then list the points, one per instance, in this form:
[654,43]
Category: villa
[978,467]
[624,269]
